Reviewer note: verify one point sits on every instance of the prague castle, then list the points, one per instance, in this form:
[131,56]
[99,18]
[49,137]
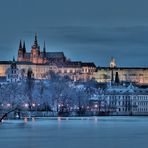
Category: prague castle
[36,56]
[41,62]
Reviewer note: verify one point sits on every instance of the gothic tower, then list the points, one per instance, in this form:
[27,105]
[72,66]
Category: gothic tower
[44,53]
[20,52]
[24,50]
[35,51]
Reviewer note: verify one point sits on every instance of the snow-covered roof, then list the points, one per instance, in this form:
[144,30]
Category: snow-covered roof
[125,90]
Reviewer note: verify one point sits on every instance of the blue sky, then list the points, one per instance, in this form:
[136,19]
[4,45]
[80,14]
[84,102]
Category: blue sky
[87,30]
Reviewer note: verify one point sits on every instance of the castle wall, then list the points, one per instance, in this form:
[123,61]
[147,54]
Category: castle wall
[139,75]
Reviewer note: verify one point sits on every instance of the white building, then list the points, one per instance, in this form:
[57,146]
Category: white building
[122,100]
[13,74]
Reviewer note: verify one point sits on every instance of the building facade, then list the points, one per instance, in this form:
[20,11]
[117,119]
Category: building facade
[137,75]
[122,100]
[13,74]
[41,62]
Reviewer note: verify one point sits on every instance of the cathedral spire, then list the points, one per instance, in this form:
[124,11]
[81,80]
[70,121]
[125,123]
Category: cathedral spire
[24,47]
[20,46]
[44,48]
[36,41]
[13,59]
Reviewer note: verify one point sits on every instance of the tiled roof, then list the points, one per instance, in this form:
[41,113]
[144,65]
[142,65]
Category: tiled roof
[55,54]
[91,64]
[5,62]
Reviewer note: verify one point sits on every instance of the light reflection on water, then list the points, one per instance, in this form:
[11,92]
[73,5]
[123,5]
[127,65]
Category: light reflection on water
[87,132]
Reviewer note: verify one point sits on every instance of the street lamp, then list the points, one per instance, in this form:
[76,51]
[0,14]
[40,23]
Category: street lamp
[33,104]
[8,105]
[96,106]
[26,105]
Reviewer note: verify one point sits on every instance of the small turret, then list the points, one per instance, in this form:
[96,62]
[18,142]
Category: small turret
[13,64]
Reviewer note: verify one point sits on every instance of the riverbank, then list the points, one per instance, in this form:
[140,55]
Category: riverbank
[60,116]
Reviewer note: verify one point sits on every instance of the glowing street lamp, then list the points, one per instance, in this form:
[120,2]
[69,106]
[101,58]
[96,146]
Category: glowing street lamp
[26,105]
[8,104]
[33,104]
[96,106]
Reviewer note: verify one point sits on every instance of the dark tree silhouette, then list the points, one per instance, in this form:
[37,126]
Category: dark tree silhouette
[5,115]
[29,87]
[117,78]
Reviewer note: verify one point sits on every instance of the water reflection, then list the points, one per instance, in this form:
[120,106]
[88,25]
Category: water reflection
[107,132]
[25,119]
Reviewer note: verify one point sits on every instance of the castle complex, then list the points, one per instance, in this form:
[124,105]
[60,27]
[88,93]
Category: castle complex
[36,56]
[41,62]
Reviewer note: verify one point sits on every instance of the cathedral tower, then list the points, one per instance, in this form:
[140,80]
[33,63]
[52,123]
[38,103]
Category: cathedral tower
[24,50]
[44,53]
[35,51]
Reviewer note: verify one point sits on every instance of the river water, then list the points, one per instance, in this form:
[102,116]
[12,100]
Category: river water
[93,132]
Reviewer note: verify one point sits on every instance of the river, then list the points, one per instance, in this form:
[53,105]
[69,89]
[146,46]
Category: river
[88,132]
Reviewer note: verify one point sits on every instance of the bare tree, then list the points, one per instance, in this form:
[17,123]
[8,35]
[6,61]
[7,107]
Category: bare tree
[29,87]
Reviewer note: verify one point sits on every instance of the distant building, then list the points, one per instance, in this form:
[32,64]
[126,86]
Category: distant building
[137,75]
[120,100]
[129,100]
[13,73]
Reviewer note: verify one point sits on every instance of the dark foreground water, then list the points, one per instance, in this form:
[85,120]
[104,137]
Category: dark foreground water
[101,132]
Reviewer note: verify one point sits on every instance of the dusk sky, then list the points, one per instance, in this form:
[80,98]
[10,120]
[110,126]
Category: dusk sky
[87,30]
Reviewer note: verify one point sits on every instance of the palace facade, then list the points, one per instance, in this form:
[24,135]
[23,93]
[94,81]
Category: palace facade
[138,75]
[41,62]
